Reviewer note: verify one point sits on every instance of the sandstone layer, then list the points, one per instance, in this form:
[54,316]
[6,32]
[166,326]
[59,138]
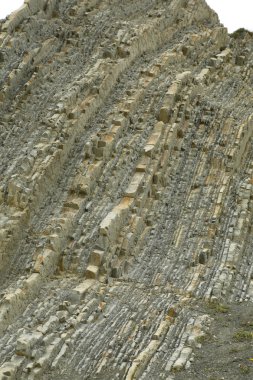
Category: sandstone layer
[126,190]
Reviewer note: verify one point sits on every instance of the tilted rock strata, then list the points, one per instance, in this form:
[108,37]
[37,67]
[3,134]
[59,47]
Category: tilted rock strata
[126,185]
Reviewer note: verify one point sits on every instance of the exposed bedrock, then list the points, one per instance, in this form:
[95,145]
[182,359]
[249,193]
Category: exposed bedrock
[126,185]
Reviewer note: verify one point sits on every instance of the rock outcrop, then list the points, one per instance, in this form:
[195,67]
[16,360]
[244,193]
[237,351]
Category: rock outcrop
[126,185]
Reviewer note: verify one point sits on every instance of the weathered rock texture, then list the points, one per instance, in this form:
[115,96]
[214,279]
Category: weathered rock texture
[126,169]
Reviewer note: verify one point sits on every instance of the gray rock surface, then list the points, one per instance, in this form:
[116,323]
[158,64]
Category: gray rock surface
[126,183]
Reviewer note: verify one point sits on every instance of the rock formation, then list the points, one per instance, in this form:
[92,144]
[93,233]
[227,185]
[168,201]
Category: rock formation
[126,185]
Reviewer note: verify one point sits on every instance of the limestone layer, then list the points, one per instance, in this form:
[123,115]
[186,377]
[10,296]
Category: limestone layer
[126,185]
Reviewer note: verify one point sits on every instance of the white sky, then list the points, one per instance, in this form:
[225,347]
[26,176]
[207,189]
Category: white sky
[234,14]
[8,6]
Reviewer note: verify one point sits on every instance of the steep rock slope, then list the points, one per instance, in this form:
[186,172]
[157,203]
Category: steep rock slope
[126,185]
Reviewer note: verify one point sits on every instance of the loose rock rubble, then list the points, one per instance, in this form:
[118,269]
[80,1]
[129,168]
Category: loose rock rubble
[126,185]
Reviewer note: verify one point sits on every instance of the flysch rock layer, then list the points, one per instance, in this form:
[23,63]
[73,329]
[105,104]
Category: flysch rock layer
[126,185]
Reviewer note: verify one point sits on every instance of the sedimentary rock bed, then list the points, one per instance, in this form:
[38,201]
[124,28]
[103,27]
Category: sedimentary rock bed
[126,185]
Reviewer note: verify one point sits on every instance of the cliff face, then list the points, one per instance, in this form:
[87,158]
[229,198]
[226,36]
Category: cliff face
[126,185]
